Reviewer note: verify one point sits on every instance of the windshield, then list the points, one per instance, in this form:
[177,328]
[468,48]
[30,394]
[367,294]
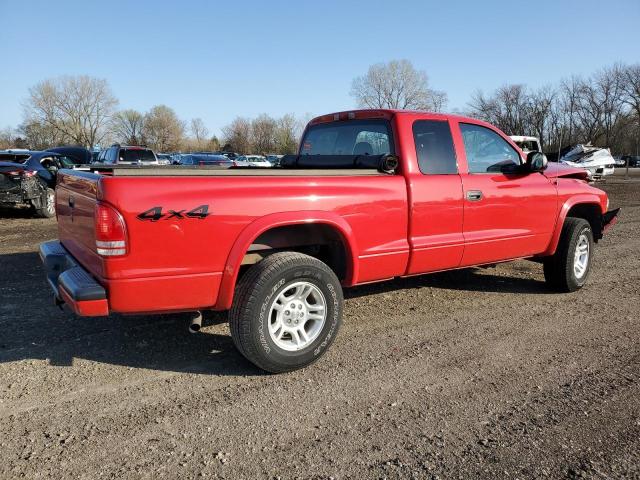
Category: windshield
[130,155]
[355,137]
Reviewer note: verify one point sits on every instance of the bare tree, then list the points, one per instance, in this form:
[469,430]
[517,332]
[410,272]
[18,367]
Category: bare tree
[398,85]
[199,133]
[78,108]
[11,138]
[630,85]
[263,134]
[609,86]
[40,136]
[213,144]
[538,115]
[126,126]
[287,135]
[237,135]
[162,129]
[506,108]
[569,99]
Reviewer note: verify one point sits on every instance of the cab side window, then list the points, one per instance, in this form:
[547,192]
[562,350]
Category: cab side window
[487,152]
[434,147]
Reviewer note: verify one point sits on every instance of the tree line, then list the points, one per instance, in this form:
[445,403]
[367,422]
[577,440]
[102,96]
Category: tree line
[83,111]
[602,109]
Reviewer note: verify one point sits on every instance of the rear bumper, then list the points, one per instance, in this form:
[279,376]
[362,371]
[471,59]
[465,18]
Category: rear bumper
[72,284]
[12,197]
[21,192]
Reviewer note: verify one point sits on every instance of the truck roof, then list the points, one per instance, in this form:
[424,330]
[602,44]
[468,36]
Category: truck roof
[387,113]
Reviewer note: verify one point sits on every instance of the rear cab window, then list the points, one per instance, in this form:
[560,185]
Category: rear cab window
[434,147]
[136,155]
[350,137]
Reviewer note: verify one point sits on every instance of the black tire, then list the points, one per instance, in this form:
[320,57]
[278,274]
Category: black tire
[251,313]
[47,207]
[559,272]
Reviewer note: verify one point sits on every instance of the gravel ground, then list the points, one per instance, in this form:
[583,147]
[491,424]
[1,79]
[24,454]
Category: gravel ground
[478,373]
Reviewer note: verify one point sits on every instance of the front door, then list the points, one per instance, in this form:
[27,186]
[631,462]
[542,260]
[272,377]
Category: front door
[506,215]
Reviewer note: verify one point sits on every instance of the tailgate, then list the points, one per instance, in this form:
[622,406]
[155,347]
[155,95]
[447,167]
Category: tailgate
[75,203]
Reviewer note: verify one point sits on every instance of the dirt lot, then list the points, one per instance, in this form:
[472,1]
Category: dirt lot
[475,373]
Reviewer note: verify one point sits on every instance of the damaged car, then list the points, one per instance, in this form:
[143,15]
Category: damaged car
[598,162]
[29,179]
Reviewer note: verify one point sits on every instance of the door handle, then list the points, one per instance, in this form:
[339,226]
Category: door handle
[474,195]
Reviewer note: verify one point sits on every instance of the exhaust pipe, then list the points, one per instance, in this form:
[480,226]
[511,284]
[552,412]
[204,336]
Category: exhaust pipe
[196,322]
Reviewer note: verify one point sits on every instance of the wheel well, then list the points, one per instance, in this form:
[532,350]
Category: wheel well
[591,213]
[317,240]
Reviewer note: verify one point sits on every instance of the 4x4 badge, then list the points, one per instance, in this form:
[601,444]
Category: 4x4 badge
[155,213]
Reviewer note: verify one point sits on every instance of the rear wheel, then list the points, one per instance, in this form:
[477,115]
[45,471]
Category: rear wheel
[287,312]
[47,207]
[568,269]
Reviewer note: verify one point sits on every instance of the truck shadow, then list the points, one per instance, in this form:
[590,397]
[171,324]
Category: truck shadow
[32,328]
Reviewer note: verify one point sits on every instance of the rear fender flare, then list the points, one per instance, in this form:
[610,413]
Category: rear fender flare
[261,225]
[562,215]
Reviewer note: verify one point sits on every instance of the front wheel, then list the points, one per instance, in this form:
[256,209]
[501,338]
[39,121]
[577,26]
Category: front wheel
[568,269]
[287,312]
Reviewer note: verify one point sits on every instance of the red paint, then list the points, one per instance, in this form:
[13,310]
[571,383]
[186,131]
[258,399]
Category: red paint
[390,225]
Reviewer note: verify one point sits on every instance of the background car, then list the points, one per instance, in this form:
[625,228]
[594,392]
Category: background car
[209,160]
[231,155]
[118,154]
[252,161]
[274,159]
[164,159]
[634,160]
[527,144]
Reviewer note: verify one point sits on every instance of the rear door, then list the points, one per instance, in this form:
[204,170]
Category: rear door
[506,215]
[436,199]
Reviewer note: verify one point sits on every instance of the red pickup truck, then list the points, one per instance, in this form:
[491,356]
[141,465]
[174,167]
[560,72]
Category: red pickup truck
[371,195]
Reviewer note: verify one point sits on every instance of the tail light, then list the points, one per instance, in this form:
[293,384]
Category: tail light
[21,173]
[111,231]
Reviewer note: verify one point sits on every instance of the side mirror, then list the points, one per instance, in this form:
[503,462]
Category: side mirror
[536,161]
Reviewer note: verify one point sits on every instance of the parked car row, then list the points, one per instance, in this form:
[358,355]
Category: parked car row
[223,159]
[28,178]
[633,160]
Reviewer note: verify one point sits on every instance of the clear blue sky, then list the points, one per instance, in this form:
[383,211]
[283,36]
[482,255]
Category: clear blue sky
[217,60]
